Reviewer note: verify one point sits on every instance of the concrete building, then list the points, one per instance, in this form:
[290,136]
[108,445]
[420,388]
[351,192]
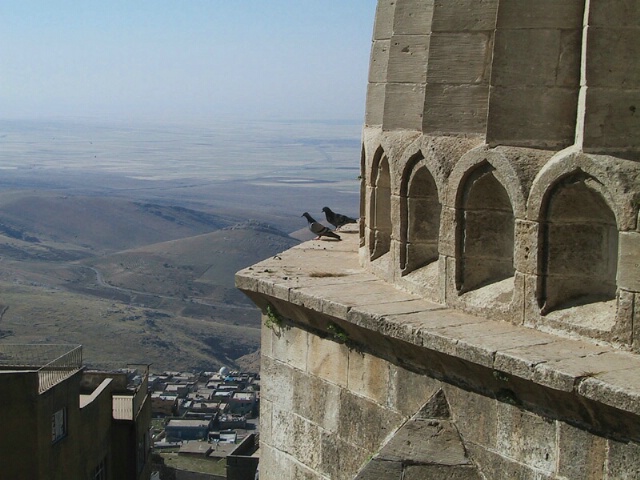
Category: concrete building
[484,320]
[187,429]
[62,422]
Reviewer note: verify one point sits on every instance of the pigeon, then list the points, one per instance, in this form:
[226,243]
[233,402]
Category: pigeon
[319,229]
[337,219]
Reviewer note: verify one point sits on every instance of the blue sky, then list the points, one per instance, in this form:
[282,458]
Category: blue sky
[184,59]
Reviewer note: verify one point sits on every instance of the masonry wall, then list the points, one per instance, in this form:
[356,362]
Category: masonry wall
[327,412]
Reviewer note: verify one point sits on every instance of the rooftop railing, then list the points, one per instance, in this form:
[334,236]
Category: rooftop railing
[53,363]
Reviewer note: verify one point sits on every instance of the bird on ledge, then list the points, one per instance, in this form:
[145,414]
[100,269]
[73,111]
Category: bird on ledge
[337,219]
[319,229]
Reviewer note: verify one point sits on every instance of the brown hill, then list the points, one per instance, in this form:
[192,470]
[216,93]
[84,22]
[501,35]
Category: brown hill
[98,224]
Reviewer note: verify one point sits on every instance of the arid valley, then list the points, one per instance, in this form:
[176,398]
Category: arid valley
[125,238]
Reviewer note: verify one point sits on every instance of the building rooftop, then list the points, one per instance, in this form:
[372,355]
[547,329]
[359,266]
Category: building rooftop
[53,363]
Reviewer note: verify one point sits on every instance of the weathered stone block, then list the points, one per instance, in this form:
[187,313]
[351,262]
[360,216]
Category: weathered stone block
[413,17]
[277,381]
[488,233]
[617,13]
[475,416]
[623,460]
[495,466]
[464,15]
[526,247]
[470,51]
[550,120]
[540,14]
[274,463]
[403,107]
[316,400]
[408,59]
[636,323]
[408,391]
[266,421]
[576,249]
[377,469]
[612,58]
[368,376]
[447,240]
[376,93]
[455,108]
[629,261]
[379,62]
[383,26]
[536,57]
[341,460]
[328,360]
[580,454]
[611,120]
[450,472]
[290,346]
[426,441]
[305,442]
[266,335]
[364,423]
[527,438]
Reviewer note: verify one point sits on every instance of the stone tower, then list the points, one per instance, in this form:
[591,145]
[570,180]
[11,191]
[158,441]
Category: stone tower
[484,321]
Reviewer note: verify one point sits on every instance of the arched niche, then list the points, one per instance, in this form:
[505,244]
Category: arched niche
[380,206]
[579,245]
[485,234]
[420,216]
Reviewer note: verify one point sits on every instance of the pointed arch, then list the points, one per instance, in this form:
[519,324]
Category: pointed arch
[420,210]
[485,236]
[380,206]
[578,244]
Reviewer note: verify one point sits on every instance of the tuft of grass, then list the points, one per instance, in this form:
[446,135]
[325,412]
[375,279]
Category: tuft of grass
[338,332]
[274,320]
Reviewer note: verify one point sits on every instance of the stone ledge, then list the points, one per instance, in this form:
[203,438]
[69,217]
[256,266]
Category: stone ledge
[325,276]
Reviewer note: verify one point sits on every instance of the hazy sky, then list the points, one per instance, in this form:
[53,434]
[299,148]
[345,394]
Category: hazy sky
[184,59]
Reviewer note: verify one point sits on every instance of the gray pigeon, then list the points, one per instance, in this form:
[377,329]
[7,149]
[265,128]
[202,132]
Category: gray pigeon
[337,219]
[319,229]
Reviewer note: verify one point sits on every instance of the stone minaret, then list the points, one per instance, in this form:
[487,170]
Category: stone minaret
[483,322]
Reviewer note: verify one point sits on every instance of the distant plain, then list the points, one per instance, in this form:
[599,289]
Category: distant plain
[124,238]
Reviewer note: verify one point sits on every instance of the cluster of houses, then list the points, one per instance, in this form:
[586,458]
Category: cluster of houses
[216,407]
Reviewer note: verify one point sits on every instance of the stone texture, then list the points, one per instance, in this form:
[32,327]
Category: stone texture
[531,57]
[403,106]
[368,376]
[464,16]
[408,59]
[550,121]
[412,17]
[455,109]
[580,455]
[541,14]
[623,460]
[611,120]
[528,439]
[470,50]
[379,63]
[629,261]
[329,360]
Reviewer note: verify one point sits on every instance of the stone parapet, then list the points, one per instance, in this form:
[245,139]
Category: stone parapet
[348,359]
[325,278]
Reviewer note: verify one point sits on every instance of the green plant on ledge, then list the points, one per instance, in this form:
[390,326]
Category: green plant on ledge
[338,332]
[274,320]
